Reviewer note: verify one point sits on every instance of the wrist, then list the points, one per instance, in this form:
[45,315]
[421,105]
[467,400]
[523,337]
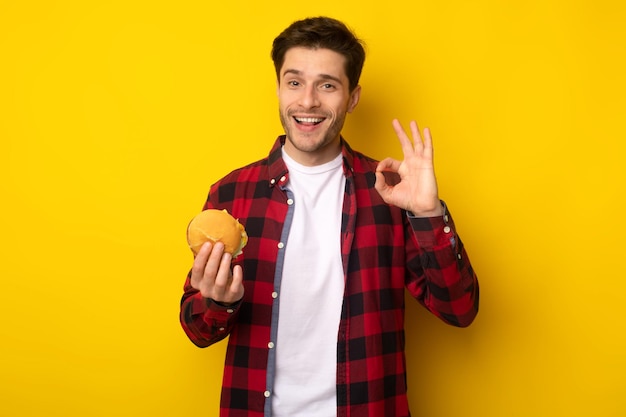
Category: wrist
[437,211]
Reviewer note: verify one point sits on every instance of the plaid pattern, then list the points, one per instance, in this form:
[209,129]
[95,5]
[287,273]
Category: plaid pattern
[384,251]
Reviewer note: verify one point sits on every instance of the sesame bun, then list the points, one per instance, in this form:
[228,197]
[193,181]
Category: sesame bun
[216,226]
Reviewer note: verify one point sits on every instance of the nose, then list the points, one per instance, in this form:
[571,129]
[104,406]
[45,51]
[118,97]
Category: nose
[309,98]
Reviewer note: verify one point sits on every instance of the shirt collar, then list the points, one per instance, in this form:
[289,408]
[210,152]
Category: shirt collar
[278,172]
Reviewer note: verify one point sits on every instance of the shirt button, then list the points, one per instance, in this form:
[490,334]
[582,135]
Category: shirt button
[267,394]
[274,294]
[446,229]
[270,345]
[290,201]
[459,256]
[281,245]
[222,329]
[283,179]
[273,181]
[445,218]
[230,311]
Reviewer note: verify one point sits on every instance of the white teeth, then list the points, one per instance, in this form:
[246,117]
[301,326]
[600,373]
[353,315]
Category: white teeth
[309,119]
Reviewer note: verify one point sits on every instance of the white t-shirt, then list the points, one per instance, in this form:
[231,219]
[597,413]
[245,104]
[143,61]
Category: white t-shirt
[311,294]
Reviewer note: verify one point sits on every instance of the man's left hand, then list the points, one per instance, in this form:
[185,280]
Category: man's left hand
[417,190]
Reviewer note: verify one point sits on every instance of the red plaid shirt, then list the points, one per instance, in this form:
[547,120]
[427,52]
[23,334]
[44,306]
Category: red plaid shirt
[384,250]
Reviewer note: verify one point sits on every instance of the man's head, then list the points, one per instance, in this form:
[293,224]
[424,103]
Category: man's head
[318,63]
[322,33]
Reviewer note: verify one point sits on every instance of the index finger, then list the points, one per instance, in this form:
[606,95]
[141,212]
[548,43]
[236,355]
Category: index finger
[200,261]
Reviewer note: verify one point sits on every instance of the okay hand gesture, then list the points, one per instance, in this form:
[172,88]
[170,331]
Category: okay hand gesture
[417,190]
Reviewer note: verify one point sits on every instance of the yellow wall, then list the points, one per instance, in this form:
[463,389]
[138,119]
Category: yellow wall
[115,118]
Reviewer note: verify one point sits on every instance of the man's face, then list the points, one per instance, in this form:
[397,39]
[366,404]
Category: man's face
[314,98]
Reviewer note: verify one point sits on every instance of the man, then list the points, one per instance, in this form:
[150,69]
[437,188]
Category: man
[314,307]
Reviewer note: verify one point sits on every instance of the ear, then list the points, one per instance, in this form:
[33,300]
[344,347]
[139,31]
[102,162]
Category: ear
[277,87]
[354,98]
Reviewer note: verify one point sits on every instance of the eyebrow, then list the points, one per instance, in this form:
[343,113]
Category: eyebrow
[322,76]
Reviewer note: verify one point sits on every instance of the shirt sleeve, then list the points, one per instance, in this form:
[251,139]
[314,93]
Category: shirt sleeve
[205,321]
[441,276]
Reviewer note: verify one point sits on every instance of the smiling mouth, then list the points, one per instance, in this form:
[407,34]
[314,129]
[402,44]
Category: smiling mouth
[309,121]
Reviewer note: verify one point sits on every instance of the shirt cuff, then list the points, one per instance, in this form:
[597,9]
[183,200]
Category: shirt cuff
[220,307]
[218,314]
[434,231]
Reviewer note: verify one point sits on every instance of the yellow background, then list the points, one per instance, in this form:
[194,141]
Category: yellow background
[116,116]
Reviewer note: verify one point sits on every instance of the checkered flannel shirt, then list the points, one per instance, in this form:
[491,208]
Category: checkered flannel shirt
[384,249]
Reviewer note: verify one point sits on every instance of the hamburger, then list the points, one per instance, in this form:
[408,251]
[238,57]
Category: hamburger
[213,226]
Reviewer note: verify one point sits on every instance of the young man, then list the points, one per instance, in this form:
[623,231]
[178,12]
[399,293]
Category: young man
[315,305]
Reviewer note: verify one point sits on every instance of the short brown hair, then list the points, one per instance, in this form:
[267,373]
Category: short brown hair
[322,32]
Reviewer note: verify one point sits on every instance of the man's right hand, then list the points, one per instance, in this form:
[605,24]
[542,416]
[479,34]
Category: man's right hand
[211,275]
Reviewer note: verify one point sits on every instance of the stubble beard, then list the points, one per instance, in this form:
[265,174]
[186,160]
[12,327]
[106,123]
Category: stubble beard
[308,145]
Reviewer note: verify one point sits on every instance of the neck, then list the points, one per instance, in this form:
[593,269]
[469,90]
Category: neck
[317,157]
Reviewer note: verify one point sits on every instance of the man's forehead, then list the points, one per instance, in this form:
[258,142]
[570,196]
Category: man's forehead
[319,62]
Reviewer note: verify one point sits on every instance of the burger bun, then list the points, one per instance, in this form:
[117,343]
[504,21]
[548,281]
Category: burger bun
[214,226]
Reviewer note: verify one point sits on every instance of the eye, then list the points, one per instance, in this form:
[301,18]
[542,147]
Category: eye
[293,83]
[327,86]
